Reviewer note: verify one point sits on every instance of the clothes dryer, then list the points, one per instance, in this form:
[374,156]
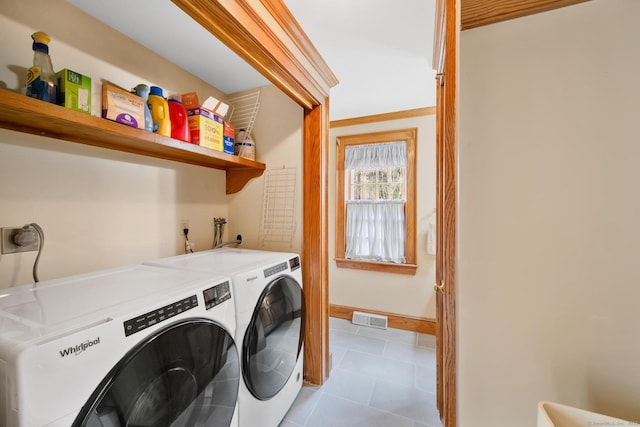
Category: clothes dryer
[270,325]
[132,346]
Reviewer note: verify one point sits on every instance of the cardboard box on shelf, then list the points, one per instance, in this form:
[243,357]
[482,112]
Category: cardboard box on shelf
[218,107]
[229,138]
[190,101]
[74,90]
[206,128]
[122,106]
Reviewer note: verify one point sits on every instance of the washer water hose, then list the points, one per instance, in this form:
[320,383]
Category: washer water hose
[218,231]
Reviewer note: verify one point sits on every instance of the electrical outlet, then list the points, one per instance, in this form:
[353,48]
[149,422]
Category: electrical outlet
[184,223]
[9,246]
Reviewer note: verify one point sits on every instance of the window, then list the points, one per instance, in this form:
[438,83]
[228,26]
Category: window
[376,208]
[381,183]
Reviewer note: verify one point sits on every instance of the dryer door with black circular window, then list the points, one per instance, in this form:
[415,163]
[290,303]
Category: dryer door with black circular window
[274,338]
[186,374]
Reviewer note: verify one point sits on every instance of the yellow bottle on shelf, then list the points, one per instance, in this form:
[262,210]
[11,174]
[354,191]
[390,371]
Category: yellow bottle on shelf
[159,111]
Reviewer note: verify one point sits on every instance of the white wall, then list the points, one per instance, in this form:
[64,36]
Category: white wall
[394,293]
[277,132]
[100,208]
[548,220]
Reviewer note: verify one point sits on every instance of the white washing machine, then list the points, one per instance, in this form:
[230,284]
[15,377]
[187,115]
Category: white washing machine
[132,346]
[270,325]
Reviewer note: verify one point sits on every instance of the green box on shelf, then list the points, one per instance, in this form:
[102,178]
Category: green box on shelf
[74,90]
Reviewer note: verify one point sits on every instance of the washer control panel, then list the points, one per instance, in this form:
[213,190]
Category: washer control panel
[158,315]
[294,263]
[275,269]
[217,295]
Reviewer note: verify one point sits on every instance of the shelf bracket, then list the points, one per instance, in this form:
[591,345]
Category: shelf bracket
[237,178]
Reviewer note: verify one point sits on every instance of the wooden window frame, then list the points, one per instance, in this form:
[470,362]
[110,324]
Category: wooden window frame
[411,138]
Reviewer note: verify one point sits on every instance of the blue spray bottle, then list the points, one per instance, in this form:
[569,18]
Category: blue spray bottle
[142,91]
[41,80]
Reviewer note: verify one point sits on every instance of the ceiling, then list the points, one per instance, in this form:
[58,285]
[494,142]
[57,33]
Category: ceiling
[379,50]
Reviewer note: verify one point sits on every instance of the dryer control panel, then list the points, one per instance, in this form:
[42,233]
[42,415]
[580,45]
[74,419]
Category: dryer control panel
[275,269]
[294,263]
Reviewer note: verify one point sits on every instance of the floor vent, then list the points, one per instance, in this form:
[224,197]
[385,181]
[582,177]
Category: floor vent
[366,319]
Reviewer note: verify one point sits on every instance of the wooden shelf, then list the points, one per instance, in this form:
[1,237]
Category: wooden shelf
[24,114]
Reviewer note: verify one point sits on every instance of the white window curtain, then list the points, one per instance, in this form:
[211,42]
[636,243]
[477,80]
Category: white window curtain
[375,230]
[367,156]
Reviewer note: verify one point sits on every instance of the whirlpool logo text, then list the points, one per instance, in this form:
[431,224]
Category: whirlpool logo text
[80,348]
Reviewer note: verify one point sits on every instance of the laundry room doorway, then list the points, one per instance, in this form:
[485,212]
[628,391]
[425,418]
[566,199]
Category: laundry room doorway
[270,39]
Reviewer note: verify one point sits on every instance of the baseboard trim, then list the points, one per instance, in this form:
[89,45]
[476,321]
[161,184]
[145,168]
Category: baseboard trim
[408,323]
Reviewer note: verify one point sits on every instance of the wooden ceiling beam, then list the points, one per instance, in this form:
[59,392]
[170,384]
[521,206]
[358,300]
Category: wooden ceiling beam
[267,36]
[476,13]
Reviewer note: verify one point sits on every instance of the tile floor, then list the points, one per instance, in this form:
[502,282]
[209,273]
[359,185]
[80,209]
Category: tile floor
[380,378]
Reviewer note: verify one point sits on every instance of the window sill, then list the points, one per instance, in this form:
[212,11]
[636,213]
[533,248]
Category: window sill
[385,267]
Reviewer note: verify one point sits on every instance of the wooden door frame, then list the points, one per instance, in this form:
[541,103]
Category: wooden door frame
[445,62]
[475,13]
[451,17]
[267,36]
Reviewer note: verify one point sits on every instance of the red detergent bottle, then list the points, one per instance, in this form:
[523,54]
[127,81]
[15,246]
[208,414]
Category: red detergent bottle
[179,123]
